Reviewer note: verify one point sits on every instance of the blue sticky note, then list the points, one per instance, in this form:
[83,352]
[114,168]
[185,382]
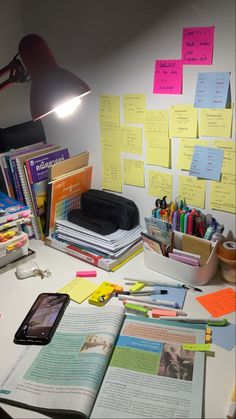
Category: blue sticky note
[206,162]
[177,295]
[224,336]
[213,90]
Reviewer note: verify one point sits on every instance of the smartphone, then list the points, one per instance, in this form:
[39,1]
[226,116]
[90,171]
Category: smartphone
[39,325]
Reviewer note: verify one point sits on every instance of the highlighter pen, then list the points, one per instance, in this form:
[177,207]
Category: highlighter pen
[174,226]
[151,307]
[210,321]
[182,217]
[140,293]
[149,302]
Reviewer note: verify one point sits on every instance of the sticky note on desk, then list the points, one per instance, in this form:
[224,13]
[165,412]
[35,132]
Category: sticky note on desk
[224,336]
[220,302]
[80,290]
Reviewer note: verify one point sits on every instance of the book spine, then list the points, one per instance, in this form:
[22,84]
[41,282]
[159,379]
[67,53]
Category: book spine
[8,177]
[34,202]
[16,180]
[27,198]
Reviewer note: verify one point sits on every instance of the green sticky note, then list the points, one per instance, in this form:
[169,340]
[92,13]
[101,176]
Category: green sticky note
[196,346]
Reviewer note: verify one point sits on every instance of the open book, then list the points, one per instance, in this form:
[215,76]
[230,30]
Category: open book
[103,364]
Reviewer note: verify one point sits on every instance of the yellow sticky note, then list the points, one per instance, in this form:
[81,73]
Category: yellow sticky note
[131,139]
[197,346]
[111,177]
[229,147]
[160,184]
[183,121]
[134,106]
[109,104]
[110,148]
[215,123]
[192,190]
[133,171]
[156,124]
[158,151]
[185,152]
[79,289]
[222,194]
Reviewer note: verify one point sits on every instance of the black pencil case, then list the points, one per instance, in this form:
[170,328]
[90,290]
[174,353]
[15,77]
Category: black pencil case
[119,210]
[91,222]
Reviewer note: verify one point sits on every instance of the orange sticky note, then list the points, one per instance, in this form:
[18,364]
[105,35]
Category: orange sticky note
[220,302]
[156,312]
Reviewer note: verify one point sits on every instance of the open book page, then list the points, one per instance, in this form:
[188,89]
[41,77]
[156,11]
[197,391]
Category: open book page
[65,375]
[150,375]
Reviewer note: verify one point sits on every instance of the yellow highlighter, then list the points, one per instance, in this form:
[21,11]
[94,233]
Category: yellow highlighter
[102,294]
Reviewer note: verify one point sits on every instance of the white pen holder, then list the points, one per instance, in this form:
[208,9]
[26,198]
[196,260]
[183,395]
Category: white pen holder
[192,275]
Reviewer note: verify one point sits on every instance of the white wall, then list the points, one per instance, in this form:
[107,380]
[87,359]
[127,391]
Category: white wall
[113,45]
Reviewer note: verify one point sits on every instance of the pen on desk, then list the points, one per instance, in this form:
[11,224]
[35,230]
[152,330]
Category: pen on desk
[149,302]
[163,284]
[140,293]
[210,321]
[151,307]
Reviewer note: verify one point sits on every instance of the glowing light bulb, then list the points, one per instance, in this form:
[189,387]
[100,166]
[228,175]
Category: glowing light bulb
[67,108]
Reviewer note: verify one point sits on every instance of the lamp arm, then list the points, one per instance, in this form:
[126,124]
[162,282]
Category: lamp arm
[17,72]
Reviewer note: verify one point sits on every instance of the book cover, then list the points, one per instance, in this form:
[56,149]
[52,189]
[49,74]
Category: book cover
[65,195]
[10,209]
[66,166]
[36,172]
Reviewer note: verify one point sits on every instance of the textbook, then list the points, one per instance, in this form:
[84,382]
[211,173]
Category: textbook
[11,210]
[102,363]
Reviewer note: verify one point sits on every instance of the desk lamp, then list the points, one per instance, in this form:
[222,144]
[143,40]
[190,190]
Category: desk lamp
[52,87]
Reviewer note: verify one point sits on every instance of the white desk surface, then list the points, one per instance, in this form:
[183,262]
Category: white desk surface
[17,296]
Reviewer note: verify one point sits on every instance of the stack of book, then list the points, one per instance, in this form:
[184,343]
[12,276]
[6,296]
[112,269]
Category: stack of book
[28,178]
[108,252]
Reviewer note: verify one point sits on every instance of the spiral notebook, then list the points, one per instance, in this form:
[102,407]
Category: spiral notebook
[20,160]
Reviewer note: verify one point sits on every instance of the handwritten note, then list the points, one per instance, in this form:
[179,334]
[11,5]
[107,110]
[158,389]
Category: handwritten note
[131,139]
[160,184]
[215,123]
[168,77]
[134,107]
[156,124]
[206,162]
[229,148]
[222,194]
[220,302]
[185,153]
[213,90]
[183,121]
[133,171]
[109,104]
[158,152]
[112,178]
[197,45]
[193,190]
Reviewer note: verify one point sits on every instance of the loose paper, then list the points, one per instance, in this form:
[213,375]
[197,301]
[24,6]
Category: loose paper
[206,162]
[168,77]
[197,45]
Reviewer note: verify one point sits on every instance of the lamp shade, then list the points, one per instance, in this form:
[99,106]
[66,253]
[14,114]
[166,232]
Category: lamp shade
[51,85]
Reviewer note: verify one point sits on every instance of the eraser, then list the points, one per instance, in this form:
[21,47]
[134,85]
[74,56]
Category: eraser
[86,274]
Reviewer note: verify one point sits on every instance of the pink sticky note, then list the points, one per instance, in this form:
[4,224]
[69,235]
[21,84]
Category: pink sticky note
[197,45]
[156,312]
[86,274]
[168,77]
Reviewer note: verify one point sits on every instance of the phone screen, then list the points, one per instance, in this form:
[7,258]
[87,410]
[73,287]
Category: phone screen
[42,319]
